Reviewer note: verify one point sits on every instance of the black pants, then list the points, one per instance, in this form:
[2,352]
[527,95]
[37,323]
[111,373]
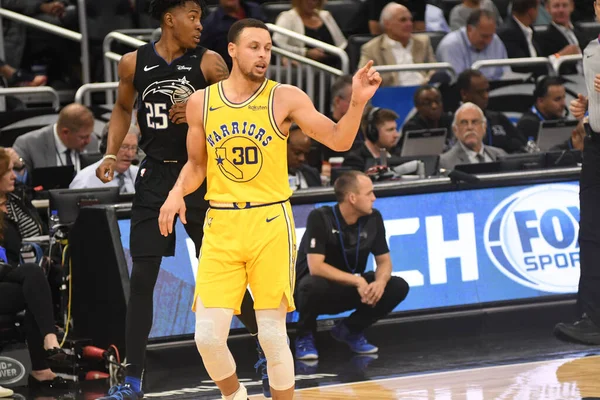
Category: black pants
[316,296]
[589,229]
[153,183]
[26,288]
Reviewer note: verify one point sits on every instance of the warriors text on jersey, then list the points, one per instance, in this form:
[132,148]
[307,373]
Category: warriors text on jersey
[247,153]
[159,86]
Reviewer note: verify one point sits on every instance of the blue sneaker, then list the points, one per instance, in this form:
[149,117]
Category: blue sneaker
[261,367]
[356,341]
[305,348]
[122,392]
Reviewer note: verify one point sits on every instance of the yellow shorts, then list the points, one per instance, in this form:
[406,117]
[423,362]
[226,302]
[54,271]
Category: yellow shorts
[251,246]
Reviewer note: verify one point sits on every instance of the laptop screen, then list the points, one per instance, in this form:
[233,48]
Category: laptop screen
[52,177]
[424,142]
[553,133]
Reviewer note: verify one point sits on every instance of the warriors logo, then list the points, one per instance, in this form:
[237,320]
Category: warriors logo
[178,90]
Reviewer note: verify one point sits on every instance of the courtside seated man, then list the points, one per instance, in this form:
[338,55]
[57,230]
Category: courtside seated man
[162,75]
[237,141]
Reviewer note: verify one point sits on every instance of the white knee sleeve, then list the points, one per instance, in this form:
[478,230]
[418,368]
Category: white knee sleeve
[212,329]
[273,340]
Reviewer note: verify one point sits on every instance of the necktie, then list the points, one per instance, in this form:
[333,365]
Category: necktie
[121,178]
[480,158]
[68,157]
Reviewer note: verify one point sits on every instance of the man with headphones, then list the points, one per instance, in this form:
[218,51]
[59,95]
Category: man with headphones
[125,171]
[549,104]
[381,133]
[331,274]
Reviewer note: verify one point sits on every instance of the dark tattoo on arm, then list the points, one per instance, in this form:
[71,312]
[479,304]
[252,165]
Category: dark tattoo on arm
[220,71]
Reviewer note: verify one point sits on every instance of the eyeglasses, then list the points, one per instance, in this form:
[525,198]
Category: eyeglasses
[129,148]
[464,123]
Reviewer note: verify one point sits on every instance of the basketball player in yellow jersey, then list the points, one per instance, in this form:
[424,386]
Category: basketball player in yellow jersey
[237,141]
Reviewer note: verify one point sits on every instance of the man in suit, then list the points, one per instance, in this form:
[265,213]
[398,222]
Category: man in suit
[469,127]
[562,37]
[398,45]
[300,174]
[518,37]
[549,95]
[59,144]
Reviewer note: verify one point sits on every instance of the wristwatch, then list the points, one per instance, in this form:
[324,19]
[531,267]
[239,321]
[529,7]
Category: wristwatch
[21,166]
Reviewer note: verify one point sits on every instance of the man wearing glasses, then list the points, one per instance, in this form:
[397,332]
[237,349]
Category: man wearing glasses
[469,127]
[125,171]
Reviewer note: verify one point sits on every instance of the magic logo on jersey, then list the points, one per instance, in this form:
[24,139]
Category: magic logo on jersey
[237,150]
[177,90]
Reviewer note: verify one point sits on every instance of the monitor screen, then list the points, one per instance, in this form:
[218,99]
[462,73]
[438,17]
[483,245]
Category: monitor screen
[456,248]
[424,142]
[68,201]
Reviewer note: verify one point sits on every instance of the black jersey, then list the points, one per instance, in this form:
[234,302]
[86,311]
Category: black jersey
[159,86]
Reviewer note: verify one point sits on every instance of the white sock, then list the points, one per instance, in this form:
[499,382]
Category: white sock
[240,394]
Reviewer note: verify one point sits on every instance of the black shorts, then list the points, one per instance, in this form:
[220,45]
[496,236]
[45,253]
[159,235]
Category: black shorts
[152,185]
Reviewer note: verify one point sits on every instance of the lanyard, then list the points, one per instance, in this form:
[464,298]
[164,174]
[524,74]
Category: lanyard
[536,112]
[337,221]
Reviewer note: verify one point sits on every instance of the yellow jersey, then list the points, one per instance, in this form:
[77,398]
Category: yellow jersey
[247,153]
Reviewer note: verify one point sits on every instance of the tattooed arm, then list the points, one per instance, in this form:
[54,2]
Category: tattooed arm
[213,67]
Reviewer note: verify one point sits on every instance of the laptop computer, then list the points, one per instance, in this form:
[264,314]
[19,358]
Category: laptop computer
[424,142]
[52,177]
[555,132]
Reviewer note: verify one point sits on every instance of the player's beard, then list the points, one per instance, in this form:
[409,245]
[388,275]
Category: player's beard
[252,76]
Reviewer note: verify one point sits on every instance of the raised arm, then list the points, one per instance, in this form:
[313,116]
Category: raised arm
[193,172]
[120,119]
[340,136]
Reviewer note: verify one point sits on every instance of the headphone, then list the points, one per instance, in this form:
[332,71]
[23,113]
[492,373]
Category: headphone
[371,130]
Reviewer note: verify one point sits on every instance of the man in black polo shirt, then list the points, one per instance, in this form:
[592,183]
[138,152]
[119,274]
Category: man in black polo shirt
[331,277]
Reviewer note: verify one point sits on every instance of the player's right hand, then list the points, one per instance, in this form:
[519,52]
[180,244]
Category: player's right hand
[361,286]
[173,206]
[578,106]
[106,170]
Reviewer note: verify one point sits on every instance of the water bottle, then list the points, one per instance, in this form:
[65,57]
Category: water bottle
[531,146]
[53,222]
[383,157]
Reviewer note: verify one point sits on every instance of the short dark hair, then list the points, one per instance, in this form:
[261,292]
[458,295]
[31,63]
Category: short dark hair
[420,90]
[541,88]
[522,6]
[463,82]
[345,183]
[237,28]
[476,15]
[158,8]
[339,85]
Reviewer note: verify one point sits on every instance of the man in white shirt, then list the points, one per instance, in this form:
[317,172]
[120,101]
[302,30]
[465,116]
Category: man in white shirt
[469,127]
[398,46]
[125,172]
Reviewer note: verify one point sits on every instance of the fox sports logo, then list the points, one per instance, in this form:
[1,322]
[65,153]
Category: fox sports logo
[532,237]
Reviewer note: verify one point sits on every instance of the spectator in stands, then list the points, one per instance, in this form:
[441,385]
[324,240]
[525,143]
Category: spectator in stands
[375,9]
[543,17]
[332,259]
[300,175]
[307,17]
[217,24]
[461,12]
[59,144]
[549,96]
[562,37]
[25,287]
[435,21]
[469,127]
[125,171]
[398,45]
[381,132]
[474,87]
[19,77]
[477,41]
[575,142]
[430,112]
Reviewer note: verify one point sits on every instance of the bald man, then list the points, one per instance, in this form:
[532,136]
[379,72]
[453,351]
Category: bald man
[300,174]
[58,144]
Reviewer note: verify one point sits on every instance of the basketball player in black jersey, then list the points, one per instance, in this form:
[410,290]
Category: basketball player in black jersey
[162,75]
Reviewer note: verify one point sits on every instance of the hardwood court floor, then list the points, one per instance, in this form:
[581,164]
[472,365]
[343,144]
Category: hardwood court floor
[563,379]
